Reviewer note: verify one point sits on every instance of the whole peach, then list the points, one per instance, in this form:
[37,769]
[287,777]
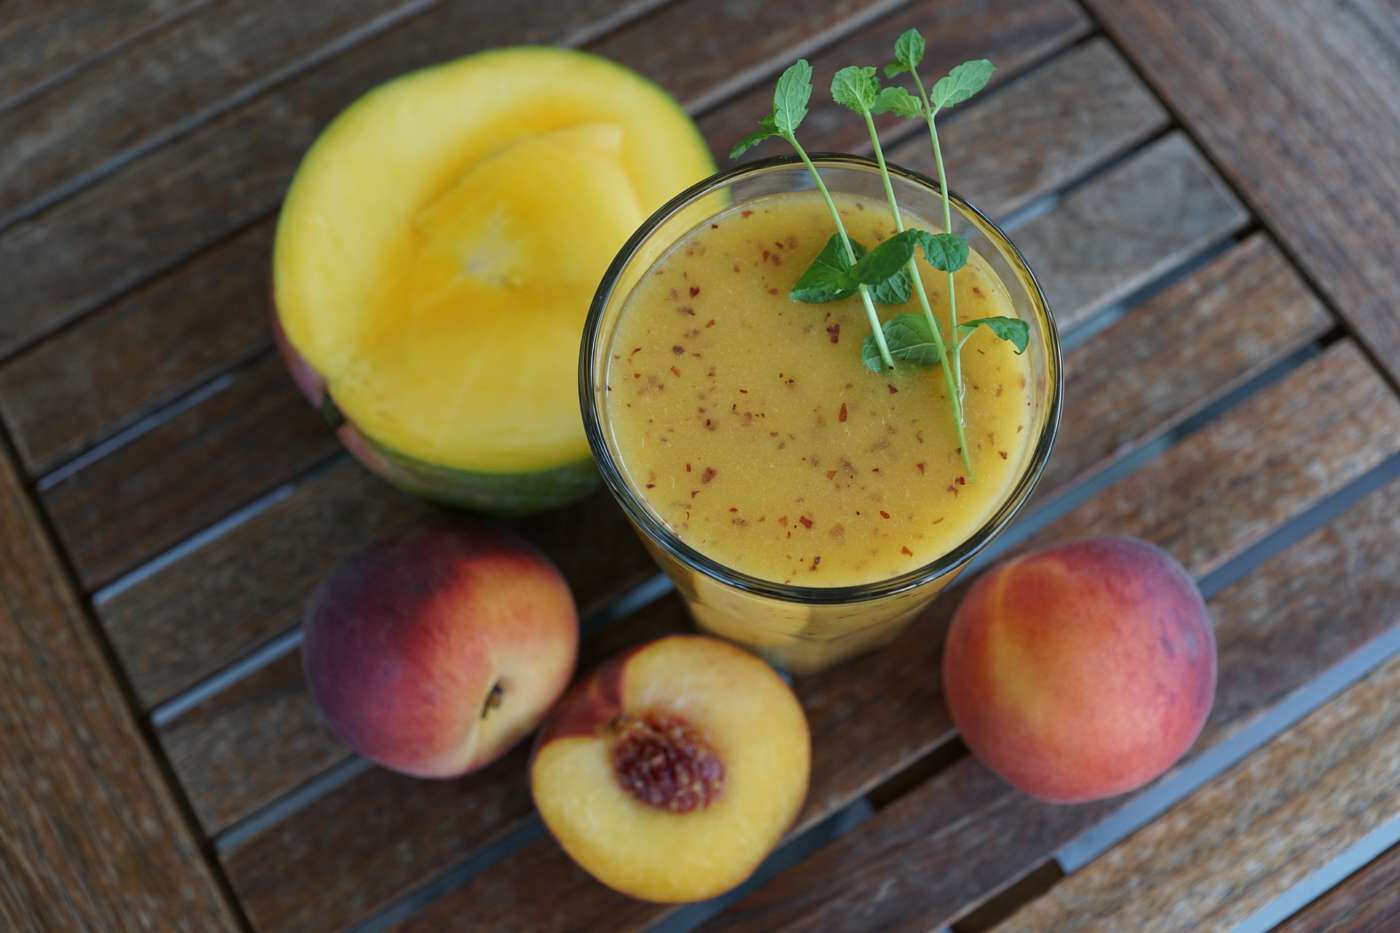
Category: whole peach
[435,652]
[1082,670]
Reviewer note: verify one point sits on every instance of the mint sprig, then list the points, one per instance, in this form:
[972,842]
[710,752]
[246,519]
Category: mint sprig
[858,89]
[889,272]
[790,98]
[953,88]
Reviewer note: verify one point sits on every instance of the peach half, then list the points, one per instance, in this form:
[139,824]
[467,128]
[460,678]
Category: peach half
[674,769]
[435,652]
[1082,670]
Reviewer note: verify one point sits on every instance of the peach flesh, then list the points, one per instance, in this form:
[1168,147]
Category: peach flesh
[1083,670]
[674,769]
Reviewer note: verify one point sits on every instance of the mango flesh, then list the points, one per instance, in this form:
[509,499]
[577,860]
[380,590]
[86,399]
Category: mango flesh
[442,240]
[752,723]
[435,652]
[1083,670]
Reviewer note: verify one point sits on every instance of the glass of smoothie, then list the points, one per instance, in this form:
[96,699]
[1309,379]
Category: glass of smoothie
[805,506]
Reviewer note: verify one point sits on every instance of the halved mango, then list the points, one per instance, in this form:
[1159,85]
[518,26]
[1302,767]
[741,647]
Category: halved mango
[438,250]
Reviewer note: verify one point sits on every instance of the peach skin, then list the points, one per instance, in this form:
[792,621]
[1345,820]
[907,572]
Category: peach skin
[1082,670]
[435,652]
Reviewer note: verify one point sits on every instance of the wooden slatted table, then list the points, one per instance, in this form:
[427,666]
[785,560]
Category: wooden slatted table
[1229,174]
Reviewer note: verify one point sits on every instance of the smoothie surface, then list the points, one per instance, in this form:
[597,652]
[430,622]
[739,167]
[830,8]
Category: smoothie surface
[752,429]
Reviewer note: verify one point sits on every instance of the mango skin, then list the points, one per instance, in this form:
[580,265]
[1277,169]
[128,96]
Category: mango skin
[504,495]
[435,652]
[1083,670]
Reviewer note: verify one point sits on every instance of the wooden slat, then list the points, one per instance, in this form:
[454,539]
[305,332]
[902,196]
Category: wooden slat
[1366,901]
[1114,383]
[227,778]
[1118,411]
[1111,111]
[900,711]
[83,384]
[1244,839]
[1013,33]
[1129,226]
[204,462]
[173,481]
[1298,106]
[92,838]
[156,83]
[40,42]
[233,169]
[945,847]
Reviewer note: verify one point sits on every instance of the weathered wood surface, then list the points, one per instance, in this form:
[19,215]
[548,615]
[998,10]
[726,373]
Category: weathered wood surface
[155,491]
[165,80]
[234,168]
[1128,226]
[168,337]
[1013,33]
[1244,839]
[944,848]
[43,42]
[905,707]
[1087,100]
[198,206]
[1296,103]
[1366,901]
[92,836]
[1151,369]
[226,778]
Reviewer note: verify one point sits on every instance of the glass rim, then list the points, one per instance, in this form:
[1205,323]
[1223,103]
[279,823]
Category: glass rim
[649,524]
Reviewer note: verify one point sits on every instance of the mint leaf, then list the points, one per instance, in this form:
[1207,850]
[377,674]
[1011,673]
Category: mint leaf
[885,260]
[1011,329]
[962,82]
[790,97]
[828,277]
[946,252]
[908,52]
[894,290]
[766,130]
[909,340]
[898,101]
[856,88]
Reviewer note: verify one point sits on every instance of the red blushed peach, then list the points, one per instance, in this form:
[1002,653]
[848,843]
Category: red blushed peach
[674,769]
[437,651]
[1083,670]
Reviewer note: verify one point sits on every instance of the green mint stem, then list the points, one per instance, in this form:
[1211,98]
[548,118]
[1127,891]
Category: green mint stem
[850,252]
[953,395]
[929,114]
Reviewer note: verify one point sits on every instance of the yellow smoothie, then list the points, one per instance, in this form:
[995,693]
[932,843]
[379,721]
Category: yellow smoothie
[750,427]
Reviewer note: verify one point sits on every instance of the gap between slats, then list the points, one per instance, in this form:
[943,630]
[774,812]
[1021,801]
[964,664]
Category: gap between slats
[51,81]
